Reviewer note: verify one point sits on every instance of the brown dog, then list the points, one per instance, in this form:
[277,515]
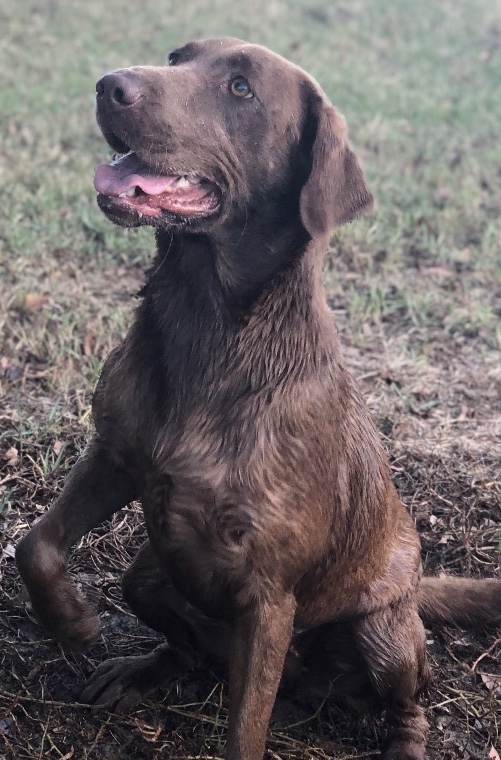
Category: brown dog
[227,410]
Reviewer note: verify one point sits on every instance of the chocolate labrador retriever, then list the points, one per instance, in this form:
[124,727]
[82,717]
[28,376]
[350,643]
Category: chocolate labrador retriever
[228,411]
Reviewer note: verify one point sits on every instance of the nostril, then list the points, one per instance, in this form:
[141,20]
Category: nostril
[119,96]
[100,88]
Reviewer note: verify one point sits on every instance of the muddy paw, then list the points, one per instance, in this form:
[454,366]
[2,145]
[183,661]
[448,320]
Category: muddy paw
[405,750]
[122,683]
[117,685]
[57,603]
[66,615]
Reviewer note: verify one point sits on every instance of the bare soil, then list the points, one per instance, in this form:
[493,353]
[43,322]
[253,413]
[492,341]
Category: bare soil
[441,422]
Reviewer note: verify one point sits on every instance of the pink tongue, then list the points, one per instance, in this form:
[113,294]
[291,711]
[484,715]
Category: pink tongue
[127,172]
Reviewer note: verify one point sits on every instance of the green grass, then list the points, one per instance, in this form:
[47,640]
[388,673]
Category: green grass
[418,83]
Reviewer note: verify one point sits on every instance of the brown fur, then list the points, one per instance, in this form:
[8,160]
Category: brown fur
[275,534]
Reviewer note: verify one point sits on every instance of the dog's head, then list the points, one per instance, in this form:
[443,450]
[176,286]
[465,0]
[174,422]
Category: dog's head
[226,130]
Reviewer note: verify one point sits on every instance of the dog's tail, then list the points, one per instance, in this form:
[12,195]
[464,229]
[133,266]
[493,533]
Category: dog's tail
[460,601]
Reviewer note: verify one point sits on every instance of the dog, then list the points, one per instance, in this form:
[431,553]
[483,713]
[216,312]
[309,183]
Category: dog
[274,530]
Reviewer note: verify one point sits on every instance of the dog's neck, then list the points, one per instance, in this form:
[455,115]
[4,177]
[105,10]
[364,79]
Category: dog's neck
[249,255]
[225,275]
[206,308]
[235,261]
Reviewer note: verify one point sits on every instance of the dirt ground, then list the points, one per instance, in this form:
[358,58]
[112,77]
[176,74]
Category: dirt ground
[441,424]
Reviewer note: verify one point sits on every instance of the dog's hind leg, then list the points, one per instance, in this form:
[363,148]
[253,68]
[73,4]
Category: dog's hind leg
[392,641]
[94,490]
[192,638]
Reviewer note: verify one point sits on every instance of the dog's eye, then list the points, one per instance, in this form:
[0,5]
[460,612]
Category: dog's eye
[240,87]
[173,58]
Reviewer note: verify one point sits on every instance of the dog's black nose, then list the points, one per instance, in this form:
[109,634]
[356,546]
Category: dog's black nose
[122,88]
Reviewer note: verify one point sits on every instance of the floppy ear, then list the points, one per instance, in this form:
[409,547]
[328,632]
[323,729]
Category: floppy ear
[335,191]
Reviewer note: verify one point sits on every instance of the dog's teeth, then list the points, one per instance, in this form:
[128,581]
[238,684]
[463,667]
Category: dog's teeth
[193,179]
[182,182]
[128,193]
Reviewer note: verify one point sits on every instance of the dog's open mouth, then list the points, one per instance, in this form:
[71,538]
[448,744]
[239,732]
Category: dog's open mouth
[129,183]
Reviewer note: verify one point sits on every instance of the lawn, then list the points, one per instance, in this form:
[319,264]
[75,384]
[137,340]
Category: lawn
[415,290]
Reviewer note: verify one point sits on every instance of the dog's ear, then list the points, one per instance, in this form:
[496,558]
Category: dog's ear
[335,191]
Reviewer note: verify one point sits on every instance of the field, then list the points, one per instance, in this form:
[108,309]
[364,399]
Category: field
[415,290]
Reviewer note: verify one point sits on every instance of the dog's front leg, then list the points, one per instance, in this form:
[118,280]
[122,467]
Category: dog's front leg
[94,490]
[259,643]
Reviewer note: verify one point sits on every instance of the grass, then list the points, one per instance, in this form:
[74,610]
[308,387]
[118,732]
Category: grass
[415,290]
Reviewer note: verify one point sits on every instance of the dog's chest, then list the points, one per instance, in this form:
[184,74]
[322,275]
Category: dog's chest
[202,474]
[203,507]
[204,439]
[223,477]
[203,453]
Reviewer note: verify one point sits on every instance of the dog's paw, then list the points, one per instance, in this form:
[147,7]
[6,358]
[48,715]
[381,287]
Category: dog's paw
[66,615]
[121,684]
[404,750]
[118,685]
